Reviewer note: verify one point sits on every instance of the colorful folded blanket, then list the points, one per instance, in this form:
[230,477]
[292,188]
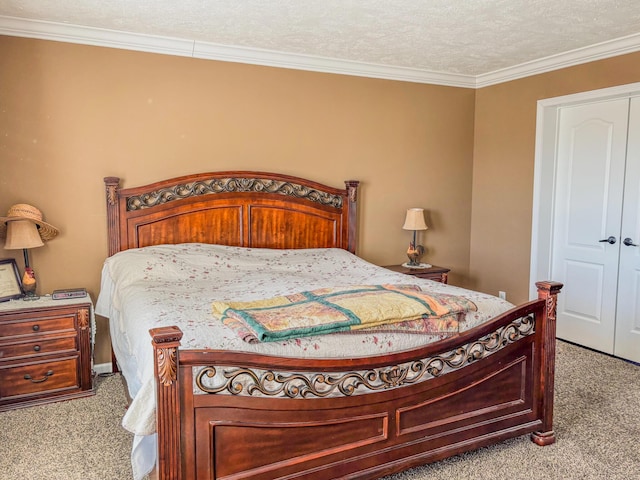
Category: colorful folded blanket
[340,309]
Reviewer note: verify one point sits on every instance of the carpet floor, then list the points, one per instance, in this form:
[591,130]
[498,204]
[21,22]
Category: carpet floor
[597,424]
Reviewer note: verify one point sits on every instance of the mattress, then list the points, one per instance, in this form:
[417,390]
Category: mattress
[168,285]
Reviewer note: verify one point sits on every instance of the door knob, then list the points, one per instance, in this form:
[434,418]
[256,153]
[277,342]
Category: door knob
[610,240]
[629,243]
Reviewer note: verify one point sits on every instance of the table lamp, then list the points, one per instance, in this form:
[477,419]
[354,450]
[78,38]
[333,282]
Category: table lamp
[415,221]
[23,228]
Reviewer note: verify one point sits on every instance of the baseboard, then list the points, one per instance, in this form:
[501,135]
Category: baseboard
[102,368]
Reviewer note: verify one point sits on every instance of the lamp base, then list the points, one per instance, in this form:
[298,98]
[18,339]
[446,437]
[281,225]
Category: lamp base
[417,265]
[29,284]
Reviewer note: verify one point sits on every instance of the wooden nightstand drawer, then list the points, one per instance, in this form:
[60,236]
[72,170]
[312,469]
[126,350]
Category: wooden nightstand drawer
[41,377]
[38,346]
[38,326]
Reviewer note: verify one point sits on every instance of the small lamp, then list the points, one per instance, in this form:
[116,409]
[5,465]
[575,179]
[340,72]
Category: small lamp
[415,221]
[24,228]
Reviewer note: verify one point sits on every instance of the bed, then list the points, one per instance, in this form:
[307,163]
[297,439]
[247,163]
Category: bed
[354,404]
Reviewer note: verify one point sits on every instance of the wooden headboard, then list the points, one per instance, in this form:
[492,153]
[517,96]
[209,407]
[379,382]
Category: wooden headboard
[238,208]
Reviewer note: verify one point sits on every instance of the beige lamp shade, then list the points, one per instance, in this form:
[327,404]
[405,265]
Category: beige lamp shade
[415,220]
[22,234]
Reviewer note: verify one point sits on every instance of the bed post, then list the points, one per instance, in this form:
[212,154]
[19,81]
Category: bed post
[112,184]
[113,235]
[547,291]
[166,341]
[352,198]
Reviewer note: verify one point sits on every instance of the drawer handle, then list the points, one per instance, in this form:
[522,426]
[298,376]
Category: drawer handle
[36,328]
[33,380]
[36,348]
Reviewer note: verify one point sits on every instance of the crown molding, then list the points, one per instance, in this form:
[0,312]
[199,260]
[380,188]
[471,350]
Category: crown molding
[599,51]
[271,58]
[100,37]
[21,27]
[61,32]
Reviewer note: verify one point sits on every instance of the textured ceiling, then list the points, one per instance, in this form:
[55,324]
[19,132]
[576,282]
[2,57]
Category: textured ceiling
[468,37]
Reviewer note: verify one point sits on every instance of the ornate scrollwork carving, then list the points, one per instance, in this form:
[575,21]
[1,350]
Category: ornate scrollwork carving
[352,189]
[83,318]
[112,194]
[551,306]
[245,381]
[167,365]
[224,185]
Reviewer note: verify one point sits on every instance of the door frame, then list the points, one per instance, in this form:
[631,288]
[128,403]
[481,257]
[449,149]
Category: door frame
[544,176]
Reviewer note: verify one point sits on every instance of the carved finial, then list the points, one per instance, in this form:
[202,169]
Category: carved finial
[111,184]
[166,341]
[352,189]
[83,318]
[549,292]
[167,366]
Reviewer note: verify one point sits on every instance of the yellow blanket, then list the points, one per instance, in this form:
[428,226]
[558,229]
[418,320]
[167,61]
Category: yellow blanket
[337,309]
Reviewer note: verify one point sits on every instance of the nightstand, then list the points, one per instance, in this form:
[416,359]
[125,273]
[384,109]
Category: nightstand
[45,351]
[439,274]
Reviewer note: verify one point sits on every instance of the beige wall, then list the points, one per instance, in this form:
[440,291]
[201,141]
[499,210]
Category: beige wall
[503,166]
[71,115]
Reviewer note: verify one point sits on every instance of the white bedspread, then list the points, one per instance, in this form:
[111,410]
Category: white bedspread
[176,284]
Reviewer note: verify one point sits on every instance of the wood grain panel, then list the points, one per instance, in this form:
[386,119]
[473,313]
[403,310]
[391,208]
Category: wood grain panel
[246,448]
[221,225]
[477,395]
[277,227]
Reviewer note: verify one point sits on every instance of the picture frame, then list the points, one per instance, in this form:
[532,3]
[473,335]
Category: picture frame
[10,283]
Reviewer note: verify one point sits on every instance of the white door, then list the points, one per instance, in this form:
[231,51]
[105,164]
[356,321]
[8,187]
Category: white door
[627,337]
[591,152]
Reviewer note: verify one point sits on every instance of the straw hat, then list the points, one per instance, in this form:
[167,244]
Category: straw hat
[22,211]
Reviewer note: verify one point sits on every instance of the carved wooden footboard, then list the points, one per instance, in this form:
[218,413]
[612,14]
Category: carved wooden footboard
[231,415]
